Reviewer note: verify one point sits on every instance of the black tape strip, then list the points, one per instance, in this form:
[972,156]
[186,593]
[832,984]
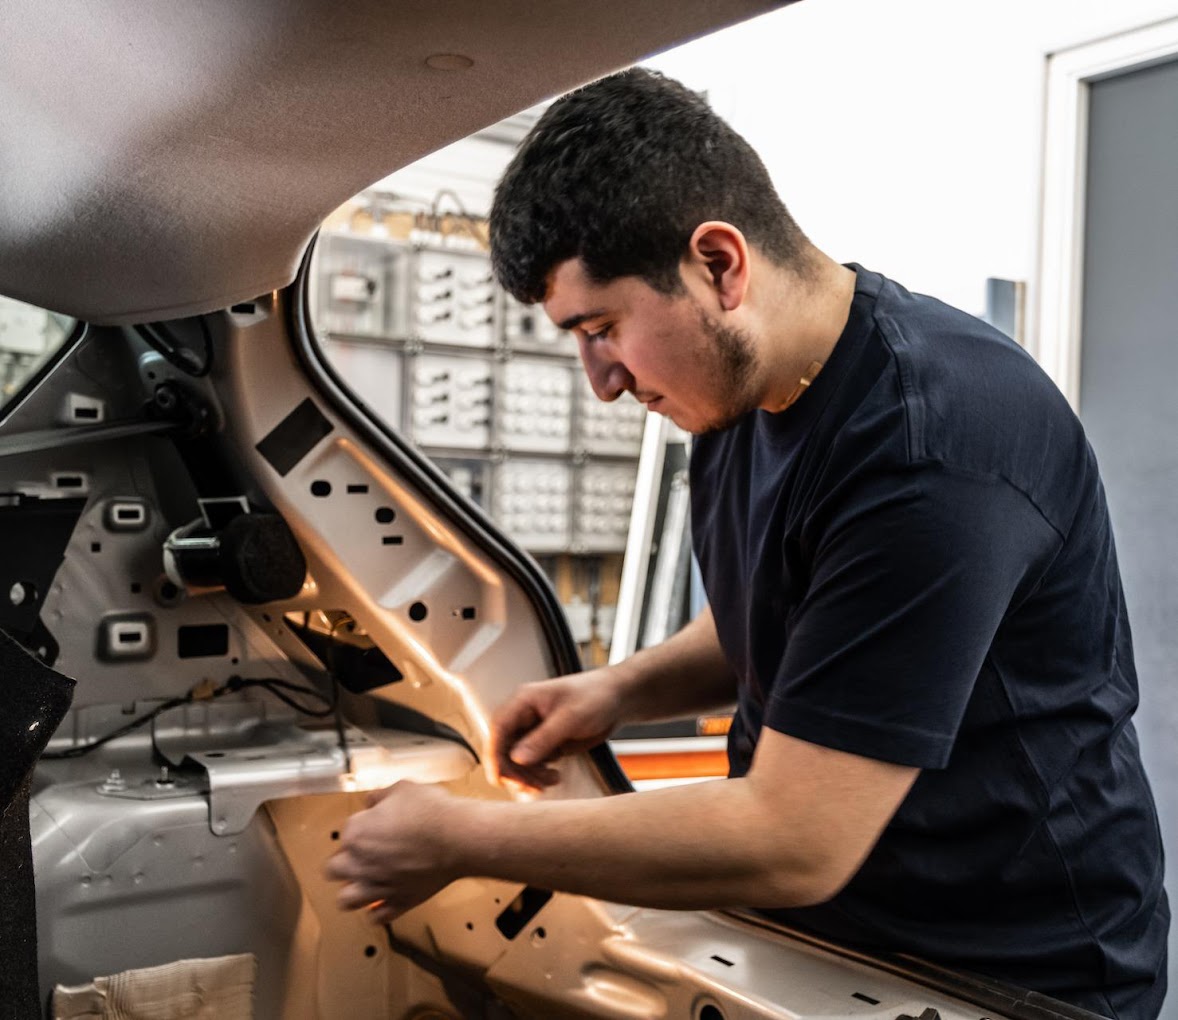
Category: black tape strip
[294,437]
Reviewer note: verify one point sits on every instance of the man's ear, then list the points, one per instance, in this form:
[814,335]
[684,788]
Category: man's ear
[718,254]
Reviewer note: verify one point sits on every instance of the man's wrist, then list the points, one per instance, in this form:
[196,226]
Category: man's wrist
[468,836]
[629,682]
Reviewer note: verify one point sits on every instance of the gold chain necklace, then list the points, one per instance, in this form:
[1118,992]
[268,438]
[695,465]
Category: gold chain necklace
[804,382]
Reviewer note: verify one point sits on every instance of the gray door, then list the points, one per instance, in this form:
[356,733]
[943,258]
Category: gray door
[1129,394]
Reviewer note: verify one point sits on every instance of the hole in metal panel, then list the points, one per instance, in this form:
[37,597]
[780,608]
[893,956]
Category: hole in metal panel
[69,481]
[519,912]
[385,515]
[245,308]
[96,547]
[320,487]
[357,489]
[392,540]
[720,959]
[86,413]
[200,640]
[418,612]
[710,1012]
[865,998]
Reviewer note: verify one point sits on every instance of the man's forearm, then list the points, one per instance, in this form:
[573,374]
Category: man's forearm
[686,673]
[791,832]
[692,847]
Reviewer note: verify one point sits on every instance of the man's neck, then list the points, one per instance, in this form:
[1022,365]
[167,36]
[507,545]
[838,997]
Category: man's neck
[805,316]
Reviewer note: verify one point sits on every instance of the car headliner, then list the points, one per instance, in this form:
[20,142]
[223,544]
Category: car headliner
[161,159]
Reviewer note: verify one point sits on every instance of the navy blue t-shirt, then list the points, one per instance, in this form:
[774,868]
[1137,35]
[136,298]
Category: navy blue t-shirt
[914,563]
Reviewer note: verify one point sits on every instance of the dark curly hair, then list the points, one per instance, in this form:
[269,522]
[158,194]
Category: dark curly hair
[620,173]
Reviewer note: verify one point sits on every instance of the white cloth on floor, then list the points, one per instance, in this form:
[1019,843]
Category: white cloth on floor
[215,989]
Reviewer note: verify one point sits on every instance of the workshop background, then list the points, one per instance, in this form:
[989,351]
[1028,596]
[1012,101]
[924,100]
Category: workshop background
[1018,159]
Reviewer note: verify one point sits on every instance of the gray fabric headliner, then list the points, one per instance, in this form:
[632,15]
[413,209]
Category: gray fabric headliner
[160,159]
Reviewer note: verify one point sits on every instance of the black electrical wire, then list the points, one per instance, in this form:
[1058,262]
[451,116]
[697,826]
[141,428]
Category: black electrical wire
[274,685]
[179,357]
[134,724]
[335,692]
[472,224]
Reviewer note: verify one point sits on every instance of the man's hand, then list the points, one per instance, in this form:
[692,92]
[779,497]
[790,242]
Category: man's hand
[398,852]
[549,719]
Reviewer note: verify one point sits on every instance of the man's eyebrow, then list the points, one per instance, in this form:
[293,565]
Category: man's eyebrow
[573,321]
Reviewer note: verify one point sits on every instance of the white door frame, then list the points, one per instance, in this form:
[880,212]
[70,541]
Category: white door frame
[1070,74]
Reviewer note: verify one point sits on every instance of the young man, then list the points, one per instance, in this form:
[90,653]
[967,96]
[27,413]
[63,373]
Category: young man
[914,595]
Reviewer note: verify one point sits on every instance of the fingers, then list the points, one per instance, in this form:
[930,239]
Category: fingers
[357,895]
[543,742]
[528,742]
[534,779]
[512,721]
[374,797]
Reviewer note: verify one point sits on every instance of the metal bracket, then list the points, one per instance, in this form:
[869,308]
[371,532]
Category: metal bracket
[286,761]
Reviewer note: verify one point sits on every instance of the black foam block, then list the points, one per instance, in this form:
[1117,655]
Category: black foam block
[261,559]
[33,701]
[19,992]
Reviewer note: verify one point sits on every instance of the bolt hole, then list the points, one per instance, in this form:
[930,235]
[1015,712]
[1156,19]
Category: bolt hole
[335,835]
[96,547]
[385,515]
[320,487]
[469,926]
[418,612]
[136,587]
[370,951]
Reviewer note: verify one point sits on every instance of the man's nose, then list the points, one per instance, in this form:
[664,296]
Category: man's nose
[608,376]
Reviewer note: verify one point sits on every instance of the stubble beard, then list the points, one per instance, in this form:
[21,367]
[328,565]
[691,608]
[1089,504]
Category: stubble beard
[735,362]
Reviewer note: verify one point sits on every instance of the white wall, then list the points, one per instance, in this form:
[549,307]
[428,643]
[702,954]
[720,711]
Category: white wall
[905,134]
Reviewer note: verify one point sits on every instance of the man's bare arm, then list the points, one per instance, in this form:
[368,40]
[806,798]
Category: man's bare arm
[791,833]
[546,720]
[686,673]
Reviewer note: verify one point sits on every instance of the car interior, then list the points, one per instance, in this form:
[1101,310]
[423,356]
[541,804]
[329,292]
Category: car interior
[235,600]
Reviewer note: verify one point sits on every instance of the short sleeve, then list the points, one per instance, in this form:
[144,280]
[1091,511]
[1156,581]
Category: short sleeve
[911,577]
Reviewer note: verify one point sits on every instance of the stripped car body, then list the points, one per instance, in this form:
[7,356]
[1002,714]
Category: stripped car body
[203,832]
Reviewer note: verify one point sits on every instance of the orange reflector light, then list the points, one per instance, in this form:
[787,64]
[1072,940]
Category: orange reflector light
[713,725]
[675,765]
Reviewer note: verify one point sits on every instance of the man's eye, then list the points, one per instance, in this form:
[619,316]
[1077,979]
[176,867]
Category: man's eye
[601,334]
